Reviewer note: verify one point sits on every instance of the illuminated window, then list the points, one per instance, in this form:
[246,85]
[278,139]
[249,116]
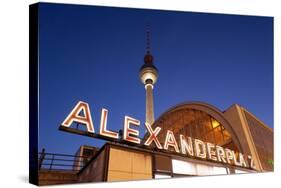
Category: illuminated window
[188,168]
[204,170]
[215,123]
[196,124]
[240,171]
[183,167]
[226,135]
[161,176]
[219,170]
[218,136]
[210,170]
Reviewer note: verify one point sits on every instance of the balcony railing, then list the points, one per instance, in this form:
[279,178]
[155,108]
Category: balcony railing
[58,161]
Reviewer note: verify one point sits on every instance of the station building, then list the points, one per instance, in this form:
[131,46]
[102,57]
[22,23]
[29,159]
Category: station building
[235,128]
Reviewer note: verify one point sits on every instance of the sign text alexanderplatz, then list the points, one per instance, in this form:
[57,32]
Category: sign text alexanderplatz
[185,145]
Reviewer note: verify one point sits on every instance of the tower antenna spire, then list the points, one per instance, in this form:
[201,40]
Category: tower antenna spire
[148,58]
[148,47]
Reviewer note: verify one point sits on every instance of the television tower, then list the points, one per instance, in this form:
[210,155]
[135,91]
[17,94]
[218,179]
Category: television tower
[148,74]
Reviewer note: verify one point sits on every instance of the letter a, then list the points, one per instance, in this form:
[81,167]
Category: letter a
[75,117]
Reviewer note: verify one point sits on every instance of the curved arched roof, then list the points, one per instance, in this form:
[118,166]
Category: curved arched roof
[209,109]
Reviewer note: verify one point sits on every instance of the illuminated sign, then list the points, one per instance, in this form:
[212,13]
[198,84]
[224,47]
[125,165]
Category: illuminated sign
[187,146]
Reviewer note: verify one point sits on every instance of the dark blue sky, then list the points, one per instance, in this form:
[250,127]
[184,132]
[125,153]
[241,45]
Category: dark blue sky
[94,54]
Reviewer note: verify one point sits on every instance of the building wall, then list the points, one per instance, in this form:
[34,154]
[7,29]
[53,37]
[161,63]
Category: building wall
[232,115]
[125,164]
[263,138]
[83,155]
[56,177]
[254,135]
[95,171]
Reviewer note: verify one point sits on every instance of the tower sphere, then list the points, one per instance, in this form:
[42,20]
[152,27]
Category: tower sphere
[148,74]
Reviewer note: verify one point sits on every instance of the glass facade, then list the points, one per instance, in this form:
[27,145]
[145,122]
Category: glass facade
[195,124]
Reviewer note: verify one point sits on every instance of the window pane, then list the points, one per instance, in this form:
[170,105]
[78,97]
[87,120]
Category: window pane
[240,171]
[183,167]
[204,169]
[219,170]
[215,123]
[161,176]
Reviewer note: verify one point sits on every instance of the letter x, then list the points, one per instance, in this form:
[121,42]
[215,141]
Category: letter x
[153,136]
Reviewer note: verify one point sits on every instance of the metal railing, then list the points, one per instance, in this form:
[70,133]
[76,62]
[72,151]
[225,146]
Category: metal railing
[58,161]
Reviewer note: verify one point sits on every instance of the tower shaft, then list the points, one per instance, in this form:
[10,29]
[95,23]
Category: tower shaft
[149,104]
